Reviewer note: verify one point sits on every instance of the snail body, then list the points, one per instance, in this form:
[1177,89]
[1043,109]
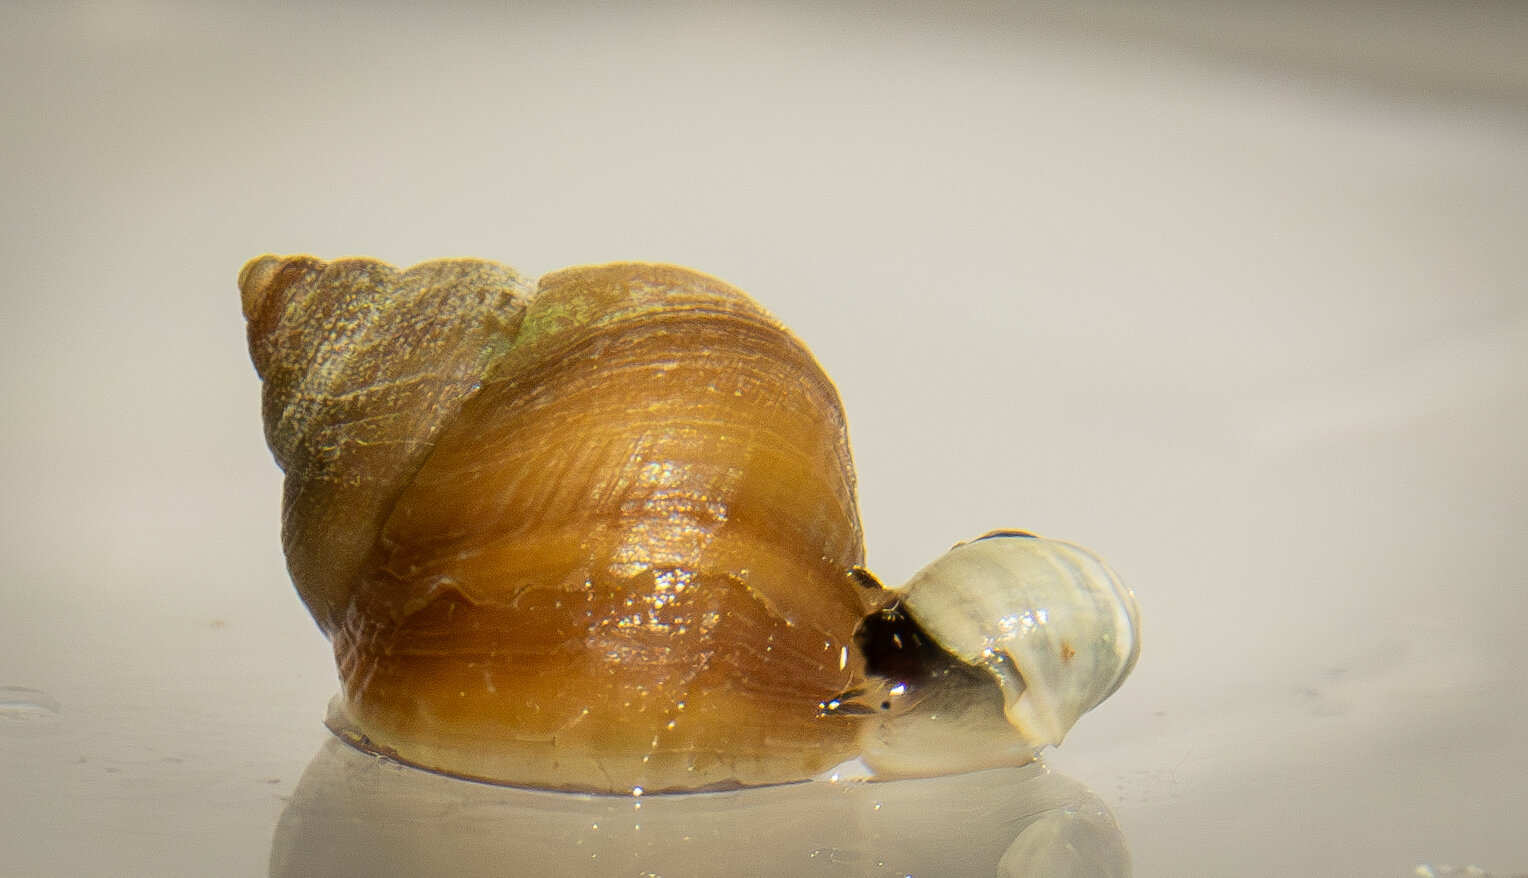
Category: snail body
[600,534]
[1048,620]
[1009,639]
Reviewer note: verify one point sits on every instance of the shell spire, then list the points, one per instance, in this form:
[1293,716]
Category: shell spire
[362,364]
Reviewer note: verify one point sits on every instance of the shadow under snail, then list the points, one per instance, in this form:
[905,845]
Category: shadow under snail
[601,534]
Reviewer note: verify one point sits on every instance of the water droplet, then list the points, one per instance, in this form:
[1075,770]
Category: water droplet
[25,712]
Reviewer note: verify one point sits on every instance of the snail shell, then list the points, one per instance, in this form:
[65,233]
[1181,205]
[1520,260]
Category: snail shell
[602,535]
[599,536]
[1016,637]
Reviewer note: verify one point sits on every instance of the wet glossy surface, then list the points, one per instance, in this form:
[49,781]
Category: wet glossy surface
[352,814]
[1235,300]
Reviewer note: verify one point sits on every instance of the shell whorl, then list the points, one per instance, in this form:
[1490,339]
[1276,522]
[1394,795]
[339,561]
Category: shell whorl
[362,365]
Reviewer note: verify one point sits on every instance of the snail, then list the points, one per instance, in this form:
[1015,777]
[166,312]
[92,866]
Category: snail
[601,534]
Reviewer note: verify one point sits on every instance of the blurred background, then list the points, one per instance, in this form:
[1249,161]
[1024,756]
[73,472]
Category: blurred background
[1232,293]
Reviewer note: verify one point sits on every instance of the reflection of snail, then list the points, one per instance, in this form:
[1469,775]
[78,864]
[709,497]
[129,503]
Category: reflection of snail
[352,815]
[603,535]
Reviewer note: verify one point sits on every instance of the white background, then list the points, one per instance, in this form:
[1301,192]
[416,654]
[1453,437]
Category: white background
[1234,295]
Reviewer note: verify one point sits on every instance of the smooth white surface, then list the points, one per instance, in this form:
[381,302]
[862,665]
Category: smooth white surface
[1234,296]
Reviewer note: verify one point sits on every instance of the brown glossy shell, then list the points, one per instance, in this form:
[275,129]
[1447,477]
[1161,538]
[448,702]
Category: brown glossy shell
[601,540]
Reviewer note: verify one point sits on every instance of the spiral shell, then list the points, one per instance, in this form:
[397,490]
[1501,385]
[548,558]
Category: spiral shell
[595,537]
